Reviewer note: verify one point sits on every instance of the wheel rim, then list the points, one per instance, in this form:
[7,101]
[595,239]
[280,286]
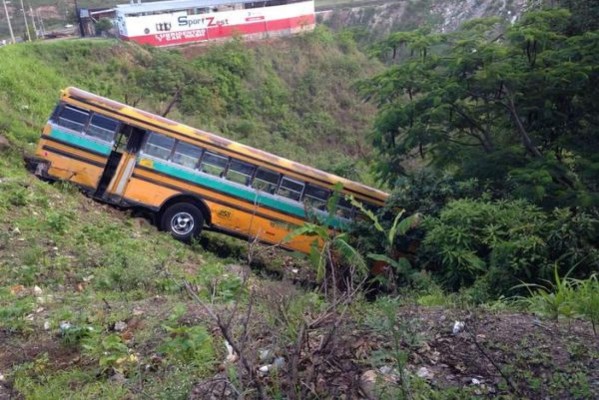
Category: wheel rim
[182,223]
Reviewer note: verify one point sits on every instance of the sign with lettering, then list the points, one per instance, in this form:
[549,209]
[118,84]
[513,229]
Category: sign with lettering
[185,20]
[177,36]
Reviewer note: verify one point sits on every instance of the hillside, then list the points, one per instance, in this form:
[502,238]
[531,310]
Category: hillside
[376,19]
[95,303]
[294,91]
[379,16]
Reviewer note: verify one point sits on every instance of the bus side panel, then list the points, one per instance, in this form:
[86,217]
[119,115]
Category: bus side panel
[253,225]
[148,194]
[68,163]
[228,218]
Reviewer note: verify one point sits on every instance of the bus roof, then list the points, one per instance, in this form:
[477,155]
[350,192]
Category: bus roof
[174,5]
[218,141]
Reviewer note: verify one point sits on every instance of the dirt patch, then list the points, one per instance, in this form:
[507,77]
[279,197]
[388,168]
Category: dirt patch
[4,143]
[48,12]
[15,351]
[508,353]
[493,354]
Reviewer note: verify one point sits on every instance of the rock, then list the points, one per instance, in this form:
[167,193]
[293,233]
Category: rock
[240,271]
[65,326]
[475,381]
[37,290]
[458,326]
[425,373]
[367,383]
[4,143]
[120,326]
[138,311]
[46,325]
[231,356]
[265,355]
[278,363]
[264,369]
[118,378]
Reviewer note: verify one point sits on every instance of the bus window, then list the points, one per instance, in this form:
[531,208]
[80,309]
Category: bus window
[316,197]
[158,146]
[73,118]
[55,113]
[266,181]
[240,172]
[213,164]
[291,189]
[102,128]
[344,209]
[186,155]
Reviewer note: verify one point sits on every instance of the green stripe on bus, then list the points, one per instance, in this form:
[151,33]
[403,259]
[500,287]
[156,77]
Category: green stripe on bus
[80,141]
[248,194]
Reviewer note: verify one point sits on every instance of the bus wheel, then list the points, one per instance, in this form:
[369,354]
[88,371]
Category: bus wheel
[183,220]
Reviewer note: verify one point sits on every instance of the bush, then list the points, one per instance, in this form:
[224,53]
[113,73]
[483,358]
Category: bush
[499,244]
[566,297]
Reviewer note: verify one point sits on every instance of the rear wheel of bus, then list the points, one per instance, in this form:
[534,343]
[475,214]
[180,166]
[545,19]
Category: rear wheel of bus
[183,220]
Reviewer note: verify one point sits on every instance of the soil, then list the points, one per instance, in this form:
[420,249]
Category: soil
[513,355]
[523,347]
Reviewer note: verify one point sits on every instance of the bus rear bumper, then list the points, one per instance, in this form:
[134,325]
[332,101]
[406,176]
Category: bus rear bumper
[38,166]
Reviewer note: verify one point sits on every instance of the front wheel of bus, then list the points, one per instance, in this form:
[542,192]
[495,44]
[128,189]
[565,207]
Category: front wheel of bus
[183,220]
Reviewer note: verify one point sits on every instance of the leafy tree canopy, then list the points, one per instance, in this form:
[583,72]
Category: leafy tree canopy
[512,106]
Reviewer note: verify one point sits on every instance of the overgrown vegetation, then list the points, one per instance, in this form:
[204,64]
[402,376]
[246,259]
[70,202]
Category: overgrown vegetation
[490,132]
[95,303]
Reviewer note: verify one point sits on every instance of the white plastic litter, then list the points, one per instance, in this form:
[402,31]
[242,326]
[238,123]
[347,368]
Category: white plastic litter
[231,356]
[424,373]
[458,326]
[65,326]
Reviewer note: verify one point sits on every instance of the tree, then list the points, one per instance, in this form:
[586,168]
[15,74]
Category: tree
[511,106]
[104,25]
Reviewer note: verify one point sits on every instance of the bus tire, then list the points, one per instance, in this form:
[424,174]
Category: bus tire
[183,220]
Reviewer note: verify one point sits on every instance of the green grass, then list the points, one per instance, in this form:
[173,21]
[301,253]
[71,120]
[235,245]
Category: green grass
[72,269]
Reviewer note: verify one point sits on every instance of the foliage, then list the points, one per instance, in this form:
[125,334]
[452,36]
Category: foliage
[400,334]
[554,299]
[398,267]
[511,106]
[331,250]
[585,14]
[35,381]
[499,243]
[565,297]
[189,345]
[104,25]
[111,354]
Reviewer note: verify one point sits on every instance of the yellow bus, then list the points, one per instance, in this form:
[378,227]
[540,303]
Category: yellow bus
[188,178]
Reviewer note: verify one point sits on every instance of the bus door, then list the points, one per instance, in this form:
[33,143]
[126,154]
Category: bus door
[120,163]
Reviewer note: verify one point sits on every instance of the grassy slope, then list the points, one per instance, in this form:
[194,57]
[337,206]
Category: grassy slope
[94,268]
[92,265]
[297,91]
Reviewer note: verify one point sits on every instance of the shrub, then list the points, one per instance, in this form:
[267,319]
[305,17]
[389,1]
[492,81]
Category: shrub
[503,243]
[566,297]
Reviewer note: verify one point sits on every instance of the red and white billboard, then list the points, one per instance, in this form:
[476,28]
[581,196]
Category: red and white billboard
[168,23]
